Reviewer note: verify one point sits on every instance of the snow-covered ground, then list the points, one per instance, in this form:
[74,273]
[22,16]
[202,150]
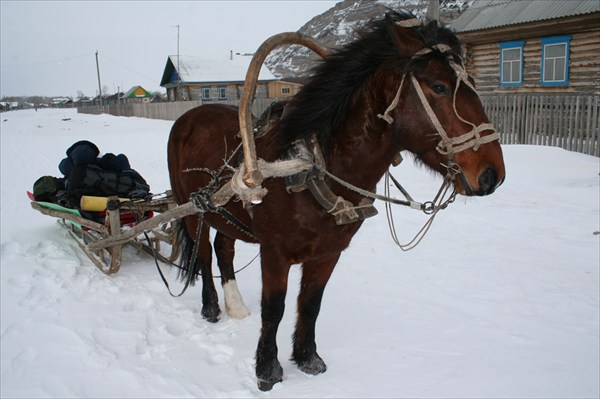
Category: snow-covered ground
[501,299]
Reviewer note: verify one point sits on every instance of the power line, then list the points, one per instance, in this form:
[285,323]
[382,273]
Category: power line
[48,62]
[127,68]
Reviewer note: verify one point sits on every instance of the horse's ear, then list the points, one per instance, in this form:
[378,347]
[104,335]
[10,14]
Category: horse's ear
[403,38]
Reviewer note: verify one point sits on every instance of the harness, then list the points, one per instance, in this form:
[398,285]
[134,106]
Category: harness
[344,211]
[306,169]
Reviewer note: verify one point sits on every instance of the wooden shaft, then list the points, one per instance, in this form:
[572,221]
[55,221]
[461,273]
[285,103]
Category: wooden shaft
[68,216]
[253,177]
[176,213]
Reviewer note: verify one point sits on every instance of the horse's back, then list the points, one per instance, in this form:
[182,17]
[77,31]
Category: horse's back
[201,138]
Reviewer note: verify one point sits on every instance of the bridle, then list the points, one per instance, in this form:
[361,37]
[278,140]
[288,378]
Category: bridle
[448,146]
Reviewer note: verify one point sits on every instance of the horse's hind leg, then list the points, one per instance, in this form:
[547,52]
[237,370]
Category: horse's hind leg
[315,275]
[225,250]
[210,300]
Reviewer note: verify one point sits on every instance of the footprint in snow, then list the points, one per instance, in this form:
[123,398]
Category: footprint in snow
[25,358]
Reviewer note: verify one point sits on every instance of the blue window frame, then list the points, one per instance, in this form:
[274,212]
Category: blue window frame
[206,93]
[222,90]
[511,63]
[555,60]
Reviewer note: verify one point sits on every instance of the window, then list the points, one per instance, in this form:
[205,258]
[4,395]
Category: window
[222,92]
[285,90]
[511,63]
[555,60]
[206,93]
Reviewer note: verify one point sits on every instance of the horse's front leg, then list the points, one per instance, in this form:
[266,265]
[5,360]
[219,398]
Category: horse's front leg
[225,250]
[275,271]
[315,275]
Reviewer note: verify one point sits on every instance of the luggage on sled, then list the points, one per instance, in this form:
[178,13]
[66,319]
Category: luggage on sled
[102,198]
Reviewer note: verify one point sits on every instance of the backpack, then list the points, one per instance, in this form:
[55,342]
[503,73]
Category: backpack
[91,179]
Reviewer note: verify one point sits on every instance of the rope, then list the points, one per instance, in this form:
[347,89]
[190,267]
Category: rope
[386,115]
[410,23]
[369,194]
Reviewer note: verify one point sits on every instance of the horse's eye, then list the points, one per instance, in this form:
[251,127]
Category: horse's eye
[440,89]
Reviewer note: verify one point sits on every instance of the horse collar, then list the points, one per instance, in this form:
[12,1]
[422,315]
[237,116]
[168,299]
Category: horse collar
[344,211]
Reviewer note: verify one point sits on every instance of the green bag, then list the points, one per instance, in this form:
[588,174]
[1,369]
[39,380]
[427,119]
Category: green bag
[46,187]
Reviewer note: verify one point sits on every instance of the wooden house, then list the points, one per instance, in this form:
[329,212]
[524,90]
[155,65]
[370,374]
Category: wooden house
[137,94]
[532,46]
[83,102]
[62,102]
[188,78]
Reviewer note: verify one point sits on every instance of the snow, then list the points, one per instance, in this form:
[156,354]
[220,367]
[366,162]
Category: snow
[500,299]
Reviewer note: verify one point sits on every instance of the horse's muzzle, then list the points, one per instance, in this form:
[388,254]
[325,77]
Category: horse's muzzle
[488,181]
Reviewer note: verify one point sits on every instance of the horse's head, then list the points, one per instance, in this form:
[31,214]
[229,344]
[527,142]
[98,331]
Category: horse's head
[436,112]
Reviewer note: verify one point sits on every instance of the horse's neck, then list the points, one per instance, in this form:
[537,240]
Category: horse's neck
[362,149]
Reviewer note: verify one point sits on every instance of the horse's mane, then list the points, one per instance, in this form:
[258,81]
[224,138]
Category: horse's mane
[321,105]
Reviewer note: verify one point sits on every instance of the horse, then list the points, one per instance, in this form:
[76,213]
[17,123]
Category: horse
[400,86]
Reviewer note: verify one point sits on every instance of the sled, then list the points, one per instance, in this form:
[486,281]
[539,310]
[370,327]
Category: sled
[152,230]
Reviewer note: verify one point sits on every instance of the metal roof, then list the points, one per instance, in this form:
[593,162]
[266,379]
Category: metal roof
[485,14]
[200,70]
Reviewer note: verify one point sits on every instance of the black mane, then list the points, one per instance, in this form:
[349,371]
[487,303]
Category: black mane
[321,105]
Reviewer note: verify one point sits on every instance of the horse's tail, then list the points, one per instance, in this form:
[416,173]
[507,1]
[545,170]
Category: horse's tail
[189,269]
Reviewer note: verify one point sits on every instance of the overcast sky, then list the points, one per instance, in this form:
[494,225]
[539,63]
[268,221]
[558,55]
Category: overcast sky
[48,47]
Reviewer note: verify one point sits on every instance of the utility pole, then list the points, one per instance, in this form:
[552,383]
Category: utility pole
[433,11]
[99,85]
[178,77]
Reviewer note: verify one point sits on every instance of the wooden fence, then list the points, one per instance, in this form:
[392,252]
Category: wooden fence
[169,110]
[567,121]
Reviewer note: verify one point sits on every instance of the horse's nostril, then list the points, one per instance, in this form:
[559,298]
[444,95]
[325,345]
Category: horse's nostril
[487,181]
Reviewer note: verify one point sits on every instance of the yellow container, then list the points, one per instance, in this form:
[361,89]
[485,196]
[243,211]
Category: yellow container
[95,204]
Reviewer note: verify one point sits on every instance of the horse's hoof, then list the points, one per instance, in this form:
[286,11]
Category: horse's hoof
[210,314]
[269,376]
[266,385]
[314,366]
[238,312]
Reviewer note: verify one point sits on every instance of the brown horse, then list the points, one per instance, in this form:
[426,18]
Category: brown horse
[400,87]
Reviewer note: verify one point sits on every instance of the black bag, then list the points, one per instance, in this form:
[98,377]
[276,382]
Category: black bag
[92,180]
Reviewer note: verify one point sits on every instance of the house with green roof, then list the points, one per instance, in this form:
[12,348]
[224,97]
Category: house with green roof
[137,94]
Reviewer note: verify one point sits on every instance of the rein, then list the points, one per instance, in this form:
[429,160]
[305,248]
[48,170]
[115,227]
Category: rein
[427,207]
[439,202]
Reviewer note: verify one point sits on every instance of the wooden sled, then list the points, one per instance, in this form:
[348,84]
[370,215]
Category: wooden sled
[103,242]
